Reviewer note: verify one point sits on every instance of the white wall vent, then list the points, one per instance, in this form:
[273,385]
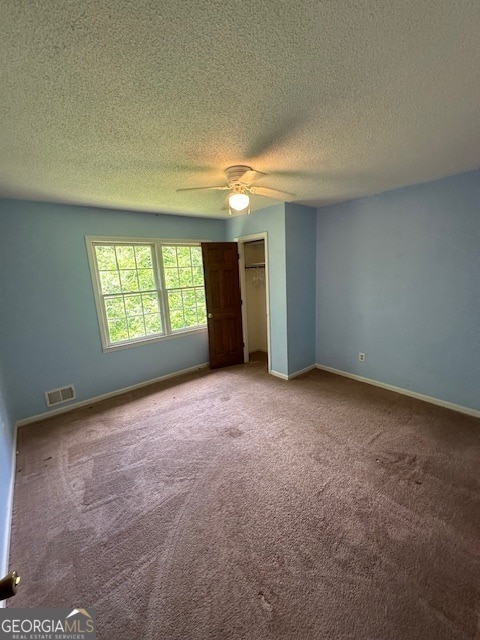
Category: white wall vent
[57,396]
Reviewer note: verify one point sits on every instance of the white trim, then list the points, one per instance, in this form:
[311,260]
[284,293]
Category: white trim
[277,374]
[299,373]
[241,240]
[243,295]
[290,376]
[4,558]
[406,392]
[148,240]
[140,341]
[105,396]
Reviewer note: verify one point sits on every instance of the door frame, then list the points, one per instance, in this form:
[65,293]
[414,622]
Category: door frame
[241,240]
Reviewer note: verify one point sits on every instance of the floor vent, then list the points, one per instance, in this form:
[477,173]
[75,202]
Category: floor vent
[57,396]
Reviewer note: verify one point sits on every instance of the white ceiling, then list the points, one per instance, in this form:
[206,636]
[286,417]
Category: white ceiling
[120,102]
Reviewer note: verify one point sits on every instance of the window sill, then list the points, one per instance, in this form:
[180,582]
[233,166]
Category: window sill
[141,343]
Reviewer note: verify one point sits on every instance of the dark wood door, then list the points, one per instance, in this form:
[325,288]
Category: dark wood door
[224,304]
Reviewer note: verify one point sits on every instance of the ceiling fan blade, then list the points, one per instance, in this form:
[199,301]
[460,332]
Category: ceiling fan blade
[250,176]
[219,188]
[280,135]
[271,193]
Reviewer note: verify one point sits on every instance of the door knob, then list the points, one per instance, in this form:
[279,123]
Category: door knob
[210,316]
[8,585]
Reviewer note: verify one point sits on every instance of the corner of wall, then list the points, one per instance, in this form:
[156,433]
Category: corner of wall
[7,478]
[300,240]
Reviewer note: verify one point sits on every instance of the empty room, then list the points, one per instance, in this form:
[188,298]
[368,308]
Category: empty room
[240,320]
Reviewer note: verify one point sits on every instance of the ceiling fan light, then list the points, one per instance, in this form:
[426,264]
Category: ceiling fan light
[238,201]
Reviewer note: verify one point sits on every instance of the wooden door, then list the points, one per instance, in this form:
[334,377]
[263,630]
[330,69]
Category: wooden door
[224,304]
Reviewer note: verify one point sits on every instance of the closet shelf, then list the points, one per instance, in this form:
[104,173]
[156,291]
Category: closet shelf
[255,265]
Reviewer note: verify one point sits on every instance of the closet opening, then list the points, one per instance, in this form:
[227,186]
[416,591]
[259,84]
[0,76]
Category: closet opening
[254,290]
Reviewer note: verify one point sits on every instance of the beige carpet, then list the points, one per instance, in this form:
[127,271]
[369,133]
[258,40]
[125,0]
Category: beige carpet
[233,505]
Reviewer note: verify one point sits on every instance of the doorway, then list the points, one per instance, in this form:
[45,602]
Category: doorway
[254,290]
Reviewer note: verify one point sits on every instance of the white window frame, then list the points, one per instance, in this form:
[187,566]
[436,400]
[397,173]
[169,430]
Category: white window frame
[157,243]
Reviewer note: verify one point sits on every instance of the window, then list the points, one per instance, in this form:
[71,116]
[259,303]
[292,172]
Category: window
[183,269]
[146,290]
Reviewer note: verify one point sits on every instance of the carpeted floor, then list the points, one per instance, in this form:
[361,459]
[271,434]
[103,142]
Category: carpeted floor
[233,505]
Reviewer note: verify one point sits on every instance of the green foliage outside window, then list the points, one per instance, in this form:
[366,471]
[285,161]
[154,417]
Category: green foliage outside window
[184,283]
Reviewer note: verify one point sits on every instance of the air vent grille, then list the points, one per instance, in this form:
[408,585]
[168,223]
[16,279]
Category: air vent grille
[57,396]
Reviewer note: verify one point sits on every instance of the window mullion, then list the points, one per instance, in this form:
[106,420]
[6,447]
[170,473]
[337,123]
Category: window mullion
[140,292]
[163,298]
[105,329]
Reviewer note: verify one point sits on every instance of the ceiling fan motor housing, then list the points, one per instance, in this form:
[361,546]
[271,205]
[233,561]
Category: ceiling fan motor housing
[234,173]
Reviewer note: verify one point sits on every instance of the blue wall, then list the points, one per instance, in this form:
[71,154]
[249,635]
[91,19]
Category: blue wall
[50,333]
[6,471]
[300,234]
[271,220]
[398,277]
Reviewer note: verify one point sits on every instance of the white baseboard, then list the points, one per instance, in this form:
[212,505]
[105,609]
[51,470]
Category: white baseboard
[406,392]
[105,396]
[5,557]
[284,376]
[299,373]
[278,375]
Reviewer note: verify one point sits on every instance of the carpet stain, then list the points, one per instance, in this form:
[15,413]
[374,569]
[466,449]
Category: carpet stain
[265,602]
[233,432]
[324,487]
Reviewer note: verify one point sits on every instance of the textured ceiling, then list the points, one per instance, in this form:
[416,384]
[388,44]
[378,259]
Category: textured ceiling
[120,102]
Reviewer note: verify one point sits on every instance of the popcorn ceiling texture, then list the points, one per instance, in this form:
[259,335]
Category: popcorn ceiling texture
[119,103]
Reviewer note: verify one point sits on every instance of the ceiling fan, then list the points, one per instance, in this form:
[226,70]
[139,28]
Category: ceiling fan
[239,178]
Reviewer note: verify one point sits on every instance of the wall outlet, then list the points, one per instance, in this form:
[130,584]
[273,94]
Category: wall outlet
[362,357]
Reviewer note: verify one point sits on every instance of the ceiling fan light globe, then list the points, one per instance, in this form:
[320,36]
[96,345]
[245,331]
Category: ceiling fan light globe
[238,201]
